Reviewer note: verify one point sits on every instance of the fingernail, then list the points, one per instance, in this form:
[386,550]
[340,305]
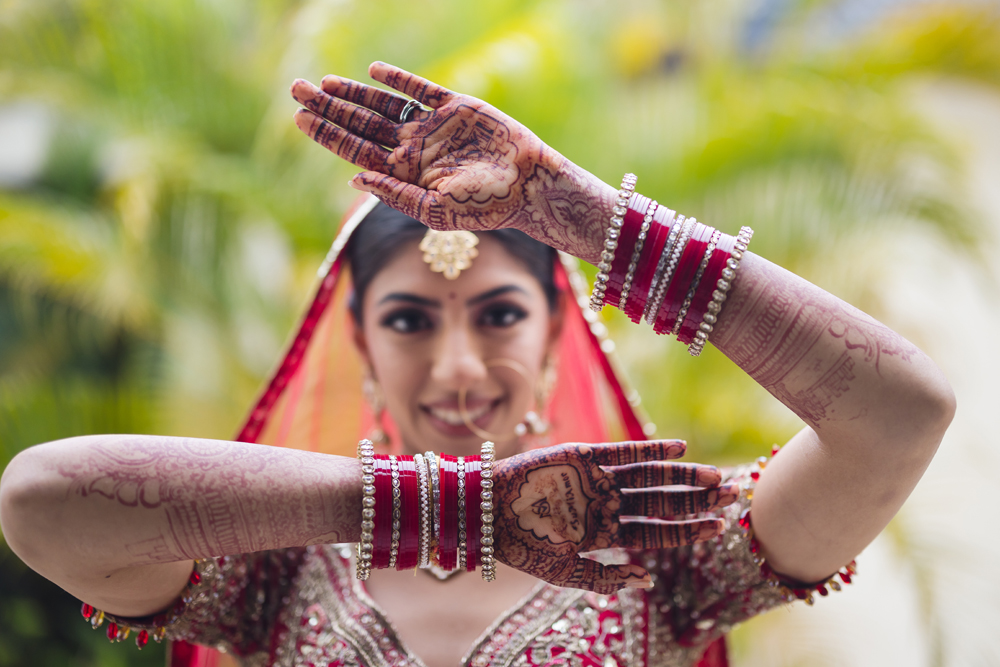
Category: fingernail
[710,530]
[709,476]
[644,584]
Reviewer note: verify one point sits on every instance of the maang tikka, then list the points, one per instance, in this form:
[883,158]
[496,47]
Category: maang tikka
[449,253]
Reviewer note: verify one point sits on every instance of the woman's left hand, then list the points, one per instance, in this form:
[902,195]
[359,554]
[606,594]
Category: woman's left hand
[557,502]
[462,164]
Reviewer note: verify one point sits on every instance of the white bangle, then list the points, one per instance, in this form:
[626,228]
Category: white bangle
[719,295]
[486,496]
[366,454]
[611,241]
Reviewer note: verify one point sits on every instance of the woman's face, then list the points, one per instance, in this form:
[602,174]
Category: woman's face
[427,338]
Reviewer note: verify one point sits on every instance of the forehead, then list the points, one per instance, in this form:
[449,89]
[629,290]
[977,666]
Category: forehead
[495,266]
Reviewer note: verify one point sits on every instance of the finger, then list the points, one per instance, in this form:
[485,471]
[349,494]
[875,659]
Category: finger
[412,200]
[652,534]
[352,148]
[357,120]
[381,102]
[677,503]
[604,579]
[638,451]
[416,87]
[658,473]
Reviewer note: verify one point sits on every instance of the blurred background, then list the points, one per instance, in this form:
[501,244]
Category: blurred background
[161,221]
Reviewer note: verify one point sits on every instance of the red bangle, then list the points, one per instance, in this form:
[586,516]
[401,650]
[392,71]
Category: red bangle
[703,295]
[626,241]
[473,514]
[656,239]
[448,541]
[383,512]
[409,525]
[681,281]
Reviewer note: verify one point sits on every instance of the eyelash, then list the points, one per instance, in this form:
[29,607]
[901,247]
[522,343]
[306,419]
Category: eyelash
[415,320]
[505,310]
[399,321]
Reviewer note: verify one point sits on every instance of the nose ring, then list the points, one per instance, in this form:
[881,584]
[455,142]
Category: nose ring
[463,393]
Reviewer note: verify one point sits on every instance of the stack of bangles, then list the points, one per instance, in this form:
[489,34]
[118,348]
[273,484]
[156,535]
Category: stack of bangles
[670,271]
[426,510]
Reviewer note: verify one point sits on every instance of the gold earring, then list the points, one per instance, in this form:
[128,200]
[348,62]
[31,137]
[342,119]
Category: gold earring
[375,397]
[534,423]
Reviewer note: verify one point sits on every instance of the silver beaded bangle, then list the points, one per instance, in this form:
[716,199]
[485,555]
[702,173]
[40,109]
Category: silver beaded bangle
[661,263]
[683,236]
[689,297]
[643,231]
[366,453]
[486,496]
[462,544]
[423,479]
[611,241]
[719,295]
[397,510]
[432,468]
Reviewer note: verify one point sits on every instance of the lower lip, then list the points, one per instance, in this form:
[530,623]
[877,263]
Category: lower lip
[461,430]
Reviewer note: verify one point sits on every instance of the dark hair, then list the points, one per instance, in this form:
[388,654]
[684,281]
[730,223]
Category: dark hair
[384,232]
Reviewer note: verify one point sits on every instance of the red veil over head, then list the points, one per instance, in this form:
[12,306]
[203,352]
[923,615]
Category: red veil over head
[313,398]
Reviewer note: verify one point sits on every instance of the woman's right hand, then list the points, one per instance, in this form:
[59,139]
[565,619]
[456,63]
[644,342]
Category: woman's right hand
[554,503]
[462,164]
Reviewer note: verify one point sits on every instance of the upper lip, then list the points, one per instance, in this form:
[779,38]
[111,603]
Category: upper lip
[471,403]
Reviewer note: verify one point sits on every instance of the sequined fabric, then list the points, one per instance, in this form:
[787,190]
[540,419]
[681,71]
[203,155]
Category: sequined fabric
[304,607]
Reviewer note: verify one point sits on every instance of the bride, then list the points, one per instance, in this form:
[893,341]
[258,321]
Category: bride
[466,337]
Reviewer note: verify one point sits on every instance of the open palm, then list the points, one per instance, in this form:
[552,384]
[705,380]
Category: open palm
[461,164]
[557,502]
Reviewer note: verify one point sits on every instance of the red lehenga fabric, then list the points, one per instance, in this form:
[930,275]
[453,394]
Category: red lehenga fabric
[313,401]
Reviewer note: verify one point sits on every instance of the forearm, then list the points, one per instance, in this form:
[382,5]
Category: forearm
[857,383]
[875,405]
[84,506]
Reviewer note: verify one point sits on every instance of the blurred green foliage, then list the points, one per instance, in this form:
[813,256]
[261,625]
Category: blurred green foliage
[151,268]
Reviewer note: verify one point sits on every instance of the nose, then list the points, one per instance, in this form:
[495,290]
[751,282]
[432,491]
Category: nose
[458,361]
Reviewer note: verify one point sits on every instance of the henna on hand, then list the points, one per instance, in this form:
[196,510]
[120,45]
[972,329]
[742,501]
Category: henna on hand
[555,503]
[461,165]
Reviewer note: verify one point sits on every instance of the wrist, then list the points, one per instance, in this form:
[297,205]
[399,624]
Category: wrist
[573,207]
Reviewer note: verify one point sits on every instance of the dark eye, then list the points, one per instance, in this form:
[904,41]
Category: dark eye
[502,315]
[407,320]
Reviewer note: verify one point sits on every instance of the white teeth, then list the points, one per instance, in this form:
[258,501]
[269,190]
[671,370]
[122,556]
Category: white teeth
[454,417]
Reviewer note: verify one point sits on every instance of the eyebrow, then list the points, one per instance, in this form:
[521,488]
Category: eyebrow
[493,293]
[407,297]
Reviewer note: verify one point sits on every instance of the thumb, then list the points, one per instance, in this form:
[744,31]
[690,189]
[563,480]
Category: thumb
[408,199]
[604,579]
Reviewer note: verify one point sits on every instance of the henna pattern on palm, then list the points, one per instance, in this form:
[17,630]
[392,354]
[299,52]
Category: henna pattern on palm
[215,498]
[462,164]
[555,503]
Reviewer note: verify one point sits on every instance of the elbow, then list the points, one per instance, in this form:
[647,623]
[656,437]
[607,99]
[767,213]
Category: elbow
[938,406]
[929,412]
[17,493]
[25,502]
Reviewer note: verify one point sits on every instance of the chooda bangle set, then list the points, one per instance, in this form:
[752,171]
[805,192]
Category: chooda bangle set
[671,271]
[428,510]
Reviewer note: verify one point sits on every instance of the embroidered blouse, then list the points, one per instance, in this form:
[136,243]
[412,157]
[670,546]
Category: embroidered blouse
[303,606]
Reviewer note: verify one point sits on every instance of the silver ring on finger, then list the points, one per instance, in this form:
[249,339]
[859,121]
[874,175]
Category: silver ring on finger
[404,115]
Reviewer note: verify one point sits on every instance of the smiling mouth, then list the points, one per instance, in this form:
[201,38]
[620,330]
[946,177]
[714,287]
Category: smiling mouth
[453,416]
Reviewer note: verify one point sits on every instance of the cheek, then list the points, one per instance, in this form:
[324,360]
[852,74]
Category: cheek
[528,349]
[400,370]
